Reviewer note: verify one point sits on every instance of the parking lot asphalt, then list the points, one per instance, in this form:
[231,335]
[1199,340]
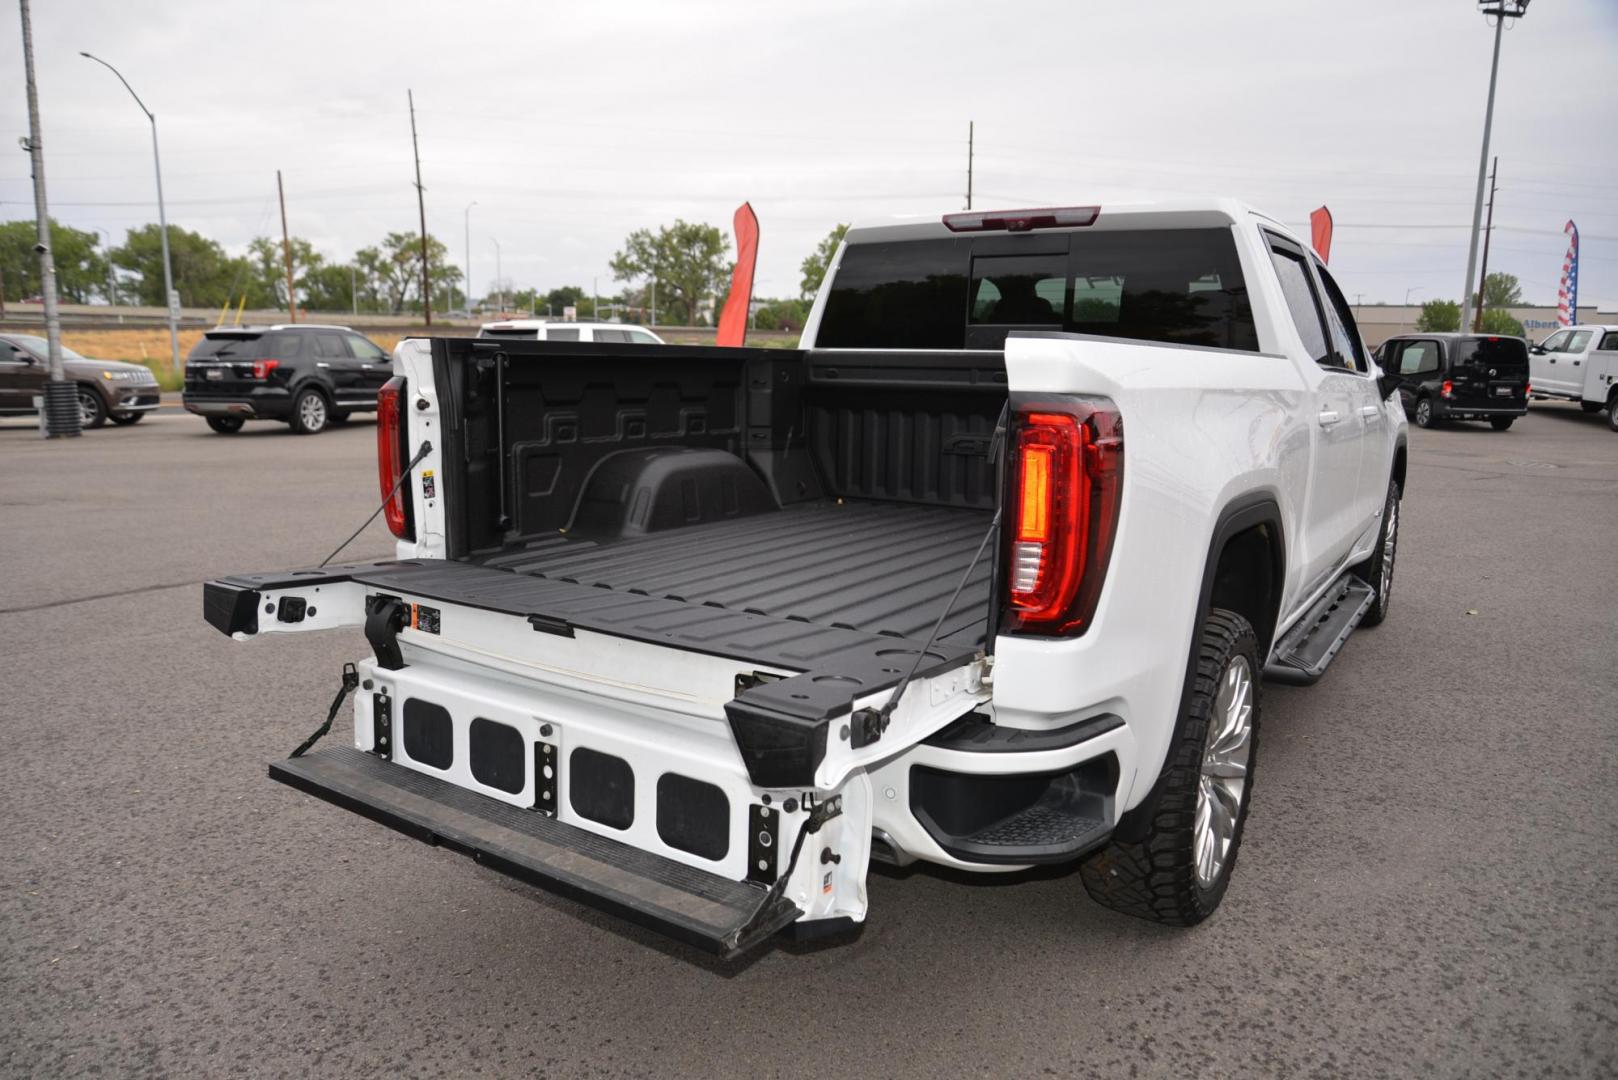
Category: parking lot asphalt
[1427,886]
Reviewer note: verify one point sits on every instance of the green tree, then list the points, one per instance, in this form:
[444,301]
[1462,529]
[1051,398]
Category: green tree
[327,287]
[1438,316]
[1501,290]
[557,299]
[1497,320]
[204,275]
[396,269]
[814,267]
[268,287]
[781,315]
[81,270]
[686,259]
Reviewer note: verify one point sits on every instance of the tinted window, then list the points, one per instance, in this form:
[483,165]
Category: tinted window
[1019,290]
[1345,336]
[607,334]
[904,295]
[1173,285]
[1610,341]
[365,348]
[330,347]
[1301,302]
[1418,358]
[224,345]
[557,333]
[1501,353]
[278,347]
[524,333]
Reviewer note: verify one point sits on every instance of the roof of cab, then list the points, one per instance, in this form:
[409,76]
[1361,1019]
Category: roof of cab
[1152,214]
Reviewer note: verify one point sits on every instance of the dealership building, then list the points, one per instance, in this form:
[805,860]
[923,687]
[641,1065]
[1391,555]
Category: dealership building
[1378,322]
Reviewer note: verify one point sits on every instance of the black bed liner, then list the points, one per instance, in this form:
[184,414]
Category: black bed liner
[884,568]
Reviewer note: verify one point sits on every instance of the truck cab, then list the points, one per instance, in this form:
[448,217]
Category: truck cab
[1579,364]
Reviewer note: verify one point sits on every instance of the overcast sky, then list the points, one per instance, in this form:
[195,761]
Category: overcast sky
[570,125]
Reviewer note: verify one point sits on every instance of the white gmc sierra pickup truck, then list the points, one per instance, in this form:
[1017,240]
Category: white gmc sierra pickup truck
[988,573]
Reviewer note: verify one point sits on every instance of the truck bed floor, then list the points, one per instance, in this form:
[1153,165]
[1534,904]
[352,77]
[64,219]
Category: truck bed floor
[884,568]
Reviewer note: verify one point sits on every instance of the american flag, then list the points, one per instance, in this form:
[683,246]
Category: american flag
[1567,294]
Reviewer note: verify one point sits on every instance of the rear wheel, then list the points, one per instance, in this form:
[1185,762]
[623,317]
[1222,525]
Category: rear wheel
[310,413]
[225,425]
[1377,571]
[125,419]
[1177,870]
[1501,423]
[1424,413]
[1612,413]
[92,410]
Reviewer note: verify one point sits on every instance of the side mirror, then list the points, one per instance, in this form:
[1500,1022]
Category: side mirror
[1388,384]
[1537,350]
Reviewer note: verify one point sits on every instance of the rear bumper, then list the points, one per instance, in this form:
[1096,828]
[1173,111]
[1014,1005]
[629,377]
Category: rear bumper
[270,403]
[1458,411]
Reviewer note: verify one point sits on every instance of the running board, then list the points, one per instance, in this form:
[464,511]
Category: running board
[1305,651]
[711,912]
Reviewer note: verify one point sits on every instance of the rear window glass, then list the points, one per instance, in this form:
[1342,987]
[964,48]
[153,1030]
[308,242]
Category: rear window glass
[234,344]
[1499,352]
[526,333]
[1181,286]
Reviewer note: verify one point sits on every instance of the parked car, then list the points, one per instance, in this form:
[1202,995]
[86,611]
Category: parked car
[1458,377]
[1579,364]
[542,330]
[308,375]
[988,573]
[108,389]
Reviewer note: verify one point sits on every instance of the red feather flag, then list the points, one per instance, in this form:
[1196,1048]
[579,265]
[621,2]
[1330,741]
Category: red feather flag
[733,321]
[1320,230]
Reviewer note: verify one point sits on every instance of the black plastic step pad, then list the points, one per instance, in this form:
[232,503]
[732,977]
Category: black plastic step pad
[704,909]
[1308,648]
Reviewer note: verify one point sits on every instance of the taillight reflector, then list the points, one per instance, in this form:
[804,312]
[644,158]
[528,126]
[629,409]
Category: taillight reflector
[390,458]
[1053,217]
[1067,479]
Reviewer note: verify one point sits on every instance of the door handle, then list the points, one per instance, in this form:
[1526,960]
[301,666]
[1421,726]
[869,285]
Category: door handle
[1575,363]
[1328,417]
[1369,410]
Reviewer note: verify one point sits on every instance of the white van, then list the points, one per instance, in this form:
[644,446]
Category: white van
[543,330]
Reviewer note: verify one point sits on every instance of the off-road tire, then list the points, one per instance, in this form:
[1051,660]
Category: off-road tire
[1155,876]
[92,410]
[225,425]
[1501,423]
[1385,555]
[309,418]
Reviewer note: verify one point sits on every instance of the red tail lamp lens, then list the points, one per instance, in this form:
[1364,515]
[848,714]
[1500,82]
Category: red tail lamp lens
[1067,479]
[390,458]
[262,368]
[1447,389]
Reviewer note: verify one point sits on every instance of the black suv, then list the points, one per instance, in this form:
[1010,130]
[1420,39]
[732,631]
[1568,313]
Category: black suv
[309,376]
[1458,376]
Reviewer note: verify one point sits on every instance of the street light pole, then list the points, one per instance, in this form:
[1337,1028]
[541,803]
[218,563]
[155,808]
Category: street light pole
[162,220]
[467,223]
[61,406]
[499,279]
[1501,10]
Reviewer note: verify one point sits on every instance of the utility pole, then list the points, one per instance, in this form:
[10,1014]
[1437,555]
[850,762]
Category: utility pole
[969,139]
[421,204]
[354,287]
[1501,10]
[170,297]
[1488,231]
[286,247]
[466,223]
[61,412]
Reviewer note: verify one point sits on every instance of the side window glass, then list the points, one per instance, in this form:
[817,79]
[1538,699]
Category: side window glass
[330,347]
[365,348]
[283,346]
[1301,302]
[1577,341]
[1340,318]
[641,337]
[1610,341]
[1554,342]
[606,334]
[557,333]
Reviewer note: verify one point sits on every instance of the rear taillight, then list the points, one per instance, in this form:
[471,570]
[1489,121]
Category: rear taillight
[262,368]
[1067,474]
[1447,389]
[1055,217]
[1527,388]
[390,458]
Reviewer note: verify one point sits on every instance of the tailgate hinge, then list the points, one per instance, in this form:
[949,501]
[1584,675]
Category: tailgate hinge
[385,616]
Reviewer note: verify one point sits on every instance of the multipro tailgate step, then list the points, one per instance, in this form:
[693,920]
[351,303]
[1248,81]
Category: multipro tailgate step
[1304,651]
[712,912]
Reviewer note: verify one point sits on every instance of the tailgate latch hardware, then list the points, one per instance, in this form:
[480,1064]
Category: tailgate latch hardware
[547,778]
[867,727]
[385,616]
[763,829]
[382,726]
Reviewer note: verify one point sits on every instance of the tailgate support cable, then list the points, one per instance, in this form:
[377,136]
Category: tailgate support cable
[881,718]
[426,448]
[351,681]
